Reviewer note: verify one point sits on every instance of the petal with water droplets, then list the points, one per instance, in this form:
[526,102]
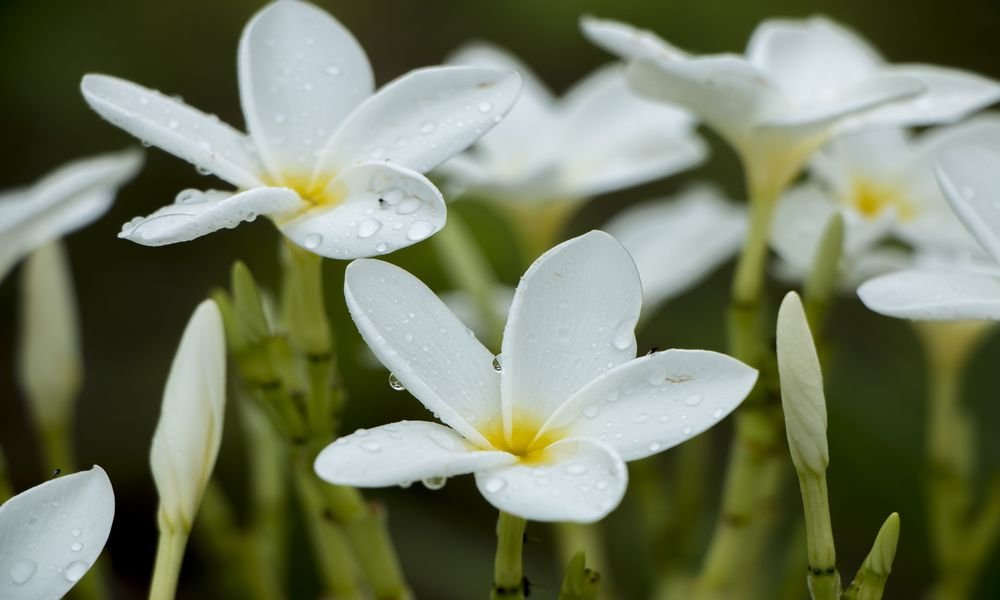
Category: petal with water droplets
[376,208]
[52,533]
[301,73]
[968,178]
[934,295]
[655,402]
[403,452]
[196,213]
[575,480]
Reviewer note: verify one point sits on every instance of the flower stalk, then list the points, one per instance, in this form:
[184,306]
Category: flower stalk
[508,576]
[869,583]
[169,556]
[580,582]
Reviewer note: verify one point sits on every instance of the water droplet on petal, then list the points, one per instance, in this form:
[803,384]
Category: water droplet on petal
[693,400]
[22,571]
[313,240]
[485,107]
[368,228]
[428,127]
[76,547]
[395,383]
[687,431]
[494,485]
[76,570]
[640,418]
[382,248]
[332,71]
[498,363]
[576,469]
[419,230]
[76,532]
[717,413]
[435,483]
[591,411]
[173,123]
[408,206]
[625,336]
[189,196]
[370,447]
[655,446]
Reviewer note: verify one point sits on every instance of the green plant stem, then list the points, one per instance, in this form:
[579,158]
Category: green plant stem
[580,582]
[468,268]
[571,538]
[869,582]
[169,556]
[508,577]
[823,578]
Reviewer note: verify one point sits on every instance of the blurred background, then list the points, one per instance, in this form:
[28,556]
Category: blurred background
[135,300]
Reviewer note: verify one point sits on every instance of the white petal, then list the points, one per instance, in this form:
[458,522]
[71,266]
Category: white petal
[727,92]
[533,111]
[301,73]
[196,213]
[614,139]
[952,94]
[64,201]
[187,437]
[626,41]
[655,402]
[968,178]
[812,59]
[51,534]
[577,480]
[401,453]
[379,208]
[423,118]
[170,124]
[425,346]
[934,295]
[573,317]
[677,243]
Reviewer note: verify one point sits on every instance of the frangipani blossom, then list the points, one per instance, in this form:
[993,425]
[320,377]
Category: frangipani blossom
[882,183]
[548,435]
[51,534]
[676,243]
[62,202]
[337,167]
[970,179]
[599,137]
[799,82]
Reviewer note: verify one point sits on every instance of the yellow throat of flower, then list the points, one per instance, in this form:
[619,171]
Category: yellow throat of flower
[524,440]
[314,191]
[872,200]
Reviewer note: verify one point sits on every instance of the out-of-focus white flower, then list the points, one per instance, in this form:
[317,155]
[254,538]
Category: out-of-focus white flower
[547,426]
[598,138]
[334,165]
[51,534]
[187,437]
[882,183]
[62,202]
[50,361]
[970,178]
[677,242]
[799,82]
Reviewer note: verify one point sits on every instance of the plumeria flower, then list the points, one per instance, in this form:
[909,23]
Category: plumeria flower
[799,82]
[677,242]
[67,199]
[968,175]
[51,534]
[548,433]
[599,137]
[882,183]
[334,165]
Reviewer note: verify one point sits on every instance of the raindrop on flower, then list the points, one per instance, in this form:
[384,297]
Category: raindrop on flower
[693,400]
[591,411]
[313,240]
[576,469]
[435,483]
[428,127]
[332,71]
[408,206]
[498,363]
[494,485]
[76,547]
[76,570]
[395,383]
[485,107]
[640,418]
[368,228]
[382,247]
[23,571]
[173,124]
[370,447]
[419,230]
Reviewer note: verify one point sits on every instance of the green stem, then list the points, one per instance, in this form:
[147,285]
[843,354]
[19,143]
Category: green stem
[580,583]
[824,581]
[169,556]
[508,577]
[571,538]
[748,280]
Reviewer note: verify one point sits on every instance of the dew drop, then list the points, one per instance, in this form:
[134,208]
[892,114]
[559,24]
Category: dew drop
[428,127]
[23,571]
[687,431]
[591,411]
[189,196]
[173,124]
[408,206]
[655,446]
[395,383]
[332,71]
[368,228]
[76,547]
[435,483]
[494,485]
[419,230]
[693,400]
[382,247]
[717,413]
[641,418]
[76,533]
[76,570]
[625,337]
[313,240]
[485,107]
[576,469]
[498,363]
[370,447]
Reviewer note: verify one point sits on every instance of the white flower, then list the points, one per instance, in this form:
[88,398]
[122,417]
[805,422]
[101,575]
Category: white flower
[598,138]
[49,358]
[62,202]
[970,178]
[799,82]
[882,183]
[336,167]
[676,243]
[51,534]
[187,437]
[548,435]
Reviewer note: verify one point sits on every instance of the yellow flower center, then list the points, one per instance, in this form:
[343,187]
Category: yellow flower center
[316,192]
[524,440]
[872,200]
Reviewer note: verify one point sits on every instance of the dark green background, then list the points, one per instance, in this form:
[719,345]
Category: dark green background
[135,300]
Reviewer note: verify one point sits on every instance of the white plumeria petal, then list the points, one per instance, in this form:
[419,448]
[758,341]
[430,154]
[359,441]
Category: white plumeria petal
[951,95]
[423,118]
[934,295]
[62,202]
[969,179]
[626,41]
[655,402]
[196,213]
[573,317]
[301,73]
[425,346]
[168,123]
[576,480]
[812,60]
[51,534]
[614,139]
[533,111]
[677,243]
[401,453]
[189,431]
[378,207]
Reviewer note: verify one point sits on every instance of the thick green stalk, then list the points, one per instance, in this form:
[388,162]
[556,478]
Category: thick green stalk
[580,582]
[572,538]
[508,576]
[823,578]
[169,556]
